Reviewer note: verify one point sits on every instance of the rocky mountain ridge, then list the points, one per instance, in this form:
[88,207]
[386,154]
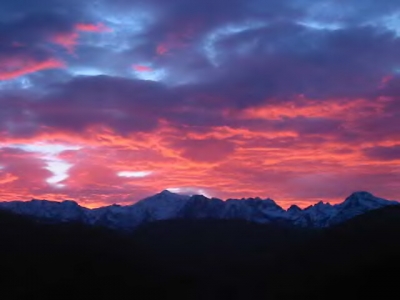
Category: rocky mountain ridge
[167,206]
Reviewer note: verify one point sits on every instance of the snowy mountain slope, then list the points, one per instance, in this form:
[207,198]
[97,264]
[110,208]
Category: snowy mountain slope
[162,206]
[356,204]
[66,211]
[167,205]
[325,214]
[317,215]
[252,209]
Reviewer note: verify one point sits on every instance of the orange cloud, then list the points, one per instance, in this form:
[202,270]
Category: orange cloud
[19,67]
[89,27]
[7,178]
[332,108]
[225,162]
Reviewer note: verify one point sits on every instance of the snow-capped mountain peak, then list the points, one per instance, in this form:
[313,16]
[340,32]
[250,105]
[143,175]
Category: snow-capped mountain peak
[294,209]
[165,196]
[364,199]
[358,203]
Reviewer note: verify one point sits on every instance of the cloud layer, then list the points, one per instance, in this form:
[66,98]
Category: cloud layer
[295,100]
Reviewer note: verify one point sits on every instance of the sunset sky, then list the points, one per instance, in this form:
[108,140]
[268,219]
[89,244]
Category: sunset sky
[109,101]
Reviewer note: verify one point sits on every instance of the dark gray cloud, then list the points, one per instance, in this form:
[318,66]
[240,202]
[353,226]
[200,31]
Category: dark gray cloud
[383,153]
[204,59]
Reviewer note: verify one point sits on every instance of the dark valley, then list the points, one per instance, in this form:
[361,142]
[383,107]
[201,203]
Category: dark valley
[201,258]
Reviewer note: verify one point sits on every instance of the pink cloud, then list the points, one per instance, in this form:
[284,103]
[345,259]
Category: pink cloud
[141,68]
[16,67]
[67,40]
[162,49]
[89,27]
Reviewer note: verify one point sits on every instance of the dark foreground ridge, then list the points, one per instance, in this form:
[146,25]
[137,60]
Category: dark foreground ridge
[201,259]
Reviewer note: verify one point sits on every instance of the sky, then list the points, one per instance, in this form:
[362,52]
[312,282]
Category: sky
[110,101]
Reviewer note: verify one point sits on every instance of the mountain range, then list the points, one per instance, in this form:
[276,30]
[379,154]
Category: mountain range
[171,206]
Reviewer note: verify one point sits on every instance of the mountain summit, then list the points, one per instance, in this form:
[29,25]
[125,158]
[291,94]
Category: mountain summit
[167,206]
